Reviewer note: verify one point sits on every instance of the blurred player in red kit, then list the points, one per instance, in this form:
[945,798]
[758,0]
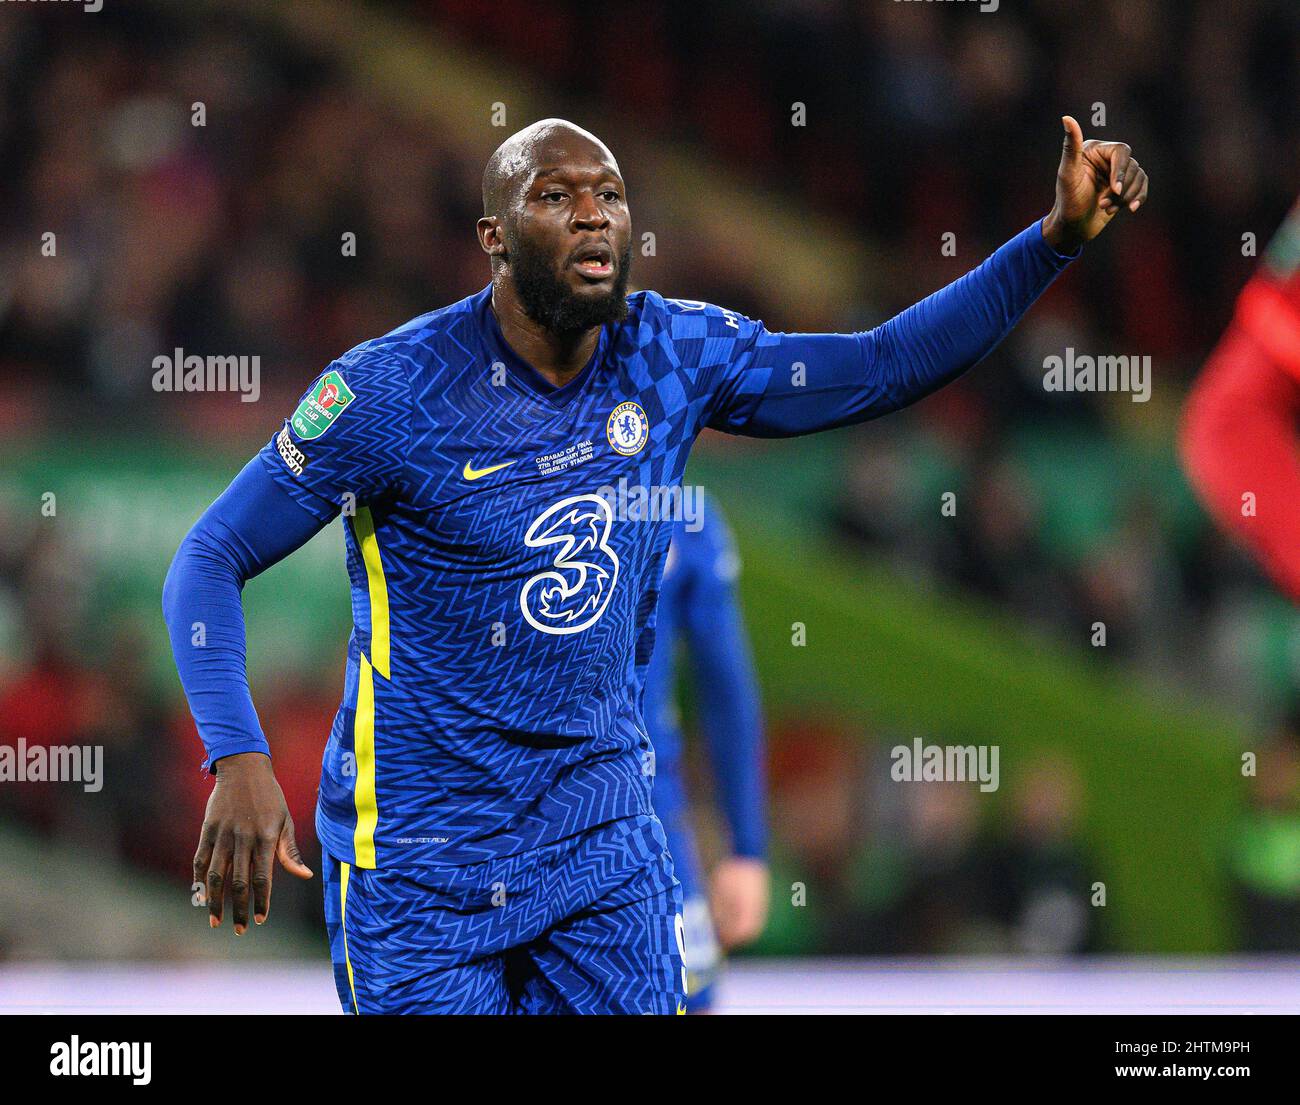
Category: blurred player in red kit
[1241,429]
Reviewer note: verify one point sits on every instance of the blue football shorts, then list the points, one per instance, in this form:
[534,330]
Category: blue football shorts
[589,924]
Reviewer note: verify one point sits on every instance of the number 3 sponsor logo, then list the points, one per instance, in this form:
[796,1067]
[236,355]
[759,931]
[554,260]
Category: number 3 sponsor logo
[575,590]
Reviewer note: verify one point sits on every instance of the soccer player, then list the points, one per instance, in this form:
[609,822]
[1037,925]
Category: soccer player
[699,608]
[1241,426]
[488,839]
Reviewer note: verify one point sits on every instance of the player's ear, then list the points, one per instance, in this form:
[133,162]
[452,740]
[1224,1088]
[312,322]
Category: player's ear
[491,236]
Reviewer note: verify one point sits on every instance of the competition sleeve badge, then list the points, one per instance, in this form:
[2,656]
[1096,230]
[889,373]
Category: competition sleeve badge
[322,405]
[627,429]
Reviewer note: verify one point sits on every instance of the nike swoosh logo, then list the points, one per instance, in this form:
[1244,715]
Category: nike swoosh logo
[471,473]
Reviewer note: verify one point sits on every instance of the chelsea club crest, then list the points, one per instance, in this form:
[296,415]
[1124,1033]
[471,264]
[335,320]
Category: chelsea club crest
[628,429]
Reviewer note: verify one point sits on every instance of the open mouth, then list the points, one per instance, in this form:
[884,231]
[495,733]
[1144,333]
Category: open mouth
[595,262]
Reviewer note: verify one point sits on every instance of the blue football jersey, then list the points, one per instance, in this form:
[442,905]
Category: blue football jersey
[503,586]
[502,611]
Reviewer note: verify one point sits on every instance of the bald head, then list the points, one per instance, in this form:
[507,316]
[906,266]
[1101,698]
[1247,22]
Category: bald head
[557,229]
[518,160]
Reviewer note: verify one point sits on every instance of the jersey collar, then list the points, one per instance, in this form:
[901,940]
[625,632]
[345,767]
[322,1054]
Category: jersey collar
[522,371]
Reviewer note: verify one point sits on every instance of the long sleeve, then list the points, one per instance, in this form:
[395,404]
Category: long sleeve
[346,443]
[251,526]
[728,695]
[765,384]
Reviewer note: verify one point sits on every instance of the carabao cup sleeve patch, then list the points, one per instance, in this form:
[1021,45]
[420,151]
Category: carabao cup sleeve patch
[348,439]
[322,406]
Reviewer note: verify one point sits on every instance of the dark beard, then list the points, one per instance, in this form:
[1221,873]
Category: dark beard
[549,302]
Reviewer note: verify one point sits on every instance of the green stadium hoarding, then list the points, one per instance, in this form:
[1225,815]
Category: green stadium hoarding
[119,509]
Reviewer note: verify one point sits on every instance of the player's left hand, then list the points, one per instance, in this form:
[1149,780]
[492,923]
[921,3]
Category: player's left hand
[739,899]
[1094,182]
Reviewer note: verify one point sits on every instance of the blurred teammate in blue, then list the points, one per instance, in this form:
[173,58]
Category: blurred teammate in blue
[489,843]
[699,609]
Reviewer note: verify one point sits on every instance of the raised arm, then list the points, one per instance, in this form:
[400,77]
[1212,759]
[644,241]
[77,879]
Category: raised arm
[778,385]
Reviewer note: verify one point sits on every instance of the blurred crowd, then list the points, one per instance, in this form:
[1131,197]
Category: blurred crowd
[894,868]
[921,869]
[922,121]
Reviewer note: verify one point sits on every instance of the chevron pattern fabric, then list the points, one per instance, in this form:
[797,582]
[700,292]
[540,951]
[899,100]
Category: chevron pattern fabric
[585,925]
[517,601]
